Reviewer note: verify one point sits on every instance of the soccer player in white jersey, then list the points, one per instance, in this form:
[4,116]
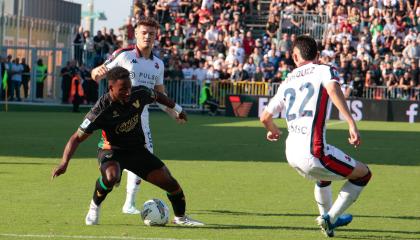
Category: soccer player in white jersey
[146,70]
[304,97]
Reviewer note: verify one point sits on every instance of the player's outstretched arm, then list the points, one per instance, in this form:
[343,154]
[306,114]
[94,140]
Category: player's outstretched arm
[99,72]
[337,97]
[172,113]
[69,150]
[273,132]
[171,105]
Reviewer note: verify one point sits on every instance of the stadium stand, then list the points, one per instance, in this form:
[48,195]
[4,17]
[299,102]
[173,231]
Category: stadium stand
[244,46]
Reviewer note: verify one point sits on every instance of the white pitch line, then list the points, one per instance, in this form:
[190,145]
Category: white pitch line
[85,237]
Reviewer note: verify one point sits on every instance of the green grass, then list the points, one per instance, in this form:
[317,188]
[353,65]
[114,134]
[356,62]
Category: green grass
[234,180]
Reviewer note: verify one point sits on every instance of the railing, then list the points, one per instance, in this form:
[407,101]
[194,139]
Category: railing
[310,23]
[383,92]
[187,93]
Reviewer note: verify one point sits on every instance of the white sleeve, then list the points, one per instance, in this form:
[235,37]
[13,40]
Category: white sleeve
[329,74]
[276,104]
[114,60]
[160,78]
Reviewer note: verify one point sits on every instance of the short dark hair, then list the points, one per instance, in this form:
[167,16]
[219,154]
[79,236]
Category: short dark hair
[147,21]
[307,47]
[118,73]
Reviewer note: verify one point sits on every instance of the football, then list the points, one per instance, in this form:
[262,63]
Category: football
[155,213]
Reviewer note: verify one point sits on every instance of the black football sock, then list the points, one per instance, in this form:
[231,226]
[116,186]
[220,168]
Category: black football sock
[178,203]
[101,190]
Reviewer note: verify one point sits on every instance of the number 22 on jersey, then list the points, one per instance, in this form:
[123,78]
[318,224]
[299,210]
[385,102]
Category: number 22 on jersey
[298,111]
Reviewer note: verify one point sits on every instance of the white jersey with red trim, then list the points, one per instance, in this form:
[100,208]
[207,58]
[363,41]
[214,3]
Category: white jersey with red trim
[143,71]
[304,99]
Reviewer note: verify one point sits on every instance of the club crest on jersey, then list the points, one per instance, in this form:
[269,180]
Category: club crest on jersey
[133,61]
[115,114]
[136,104]
[156,65]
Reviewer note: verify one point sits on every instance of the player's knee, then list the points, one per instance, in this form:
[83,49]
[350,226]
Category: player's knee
[112,178]
[362,181]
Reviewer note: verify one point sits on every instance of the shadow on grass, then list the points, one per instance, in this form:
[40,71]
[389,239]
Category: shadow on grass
[26,163]
[197,140]
[242,213]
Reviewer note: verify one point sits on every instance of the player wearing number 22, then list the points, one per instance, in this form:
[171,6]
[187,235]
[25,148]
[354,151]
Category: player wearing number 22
[123,146]
[304,96]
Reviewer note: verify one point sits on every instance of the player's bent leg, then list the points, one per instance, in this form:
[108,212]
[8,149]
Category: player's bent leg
[349,193]
[323,196]
[133,186]
[162,178]
[110,174]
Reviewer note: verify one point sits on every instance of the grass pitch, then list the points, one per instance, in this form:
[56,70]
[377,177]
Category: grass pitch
[236,182]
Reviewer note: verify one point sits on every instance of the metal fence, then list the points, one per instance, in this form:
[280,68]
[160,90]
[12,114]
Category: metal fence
[53,58]
[313,24]
[187,93]
[383,92]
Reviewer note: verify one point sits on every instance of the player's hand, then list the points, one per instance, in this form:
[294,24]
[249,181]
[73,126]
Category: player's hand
[182,117]
[354,136]
[273,136]
[60,169]
[100,71]
[174,115]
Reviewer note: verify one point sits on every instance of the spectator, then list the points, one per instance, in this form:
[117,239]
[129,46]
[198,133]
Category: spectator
[248,44]
[258,75]
[267,68]
[211,35]
[66,77]
[41,75]
[16,77]
[89,49]
[78,43]
[411,51]
[285,45]
[406,83]
[26,77]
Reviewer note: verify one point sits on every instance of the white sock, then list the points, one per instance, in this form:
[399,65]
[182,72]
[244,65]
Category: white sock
[323,198]
[347,196]
[133,185]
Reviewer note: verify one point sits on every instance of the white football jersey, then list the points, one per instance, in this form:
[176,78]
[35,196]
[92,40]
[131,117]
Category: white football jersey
[146,72]
[304,99]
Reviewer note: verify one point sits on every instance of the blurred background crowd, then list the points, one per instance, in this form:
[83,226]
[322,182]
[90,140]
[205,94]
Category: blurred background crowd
[371,43]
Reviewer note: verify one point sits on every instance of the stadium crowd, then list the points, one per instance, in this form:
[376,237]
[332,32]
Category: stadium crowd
[371,43]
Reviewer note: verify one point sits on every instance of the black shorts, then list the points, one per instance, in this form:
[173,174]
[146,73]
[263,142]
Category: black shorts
[139,161]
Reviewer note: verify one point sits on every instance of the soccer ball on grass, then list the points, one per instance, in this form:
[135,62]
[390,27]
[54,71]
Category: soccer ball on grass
[155,213]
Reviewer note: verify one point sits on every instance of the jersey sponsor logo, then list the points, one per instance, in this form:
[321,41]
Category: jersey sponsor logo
[297,129]
[136,104]
[132,75]
[115,114]
[127,126]
[156,65]
[85,123]
[148,76]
